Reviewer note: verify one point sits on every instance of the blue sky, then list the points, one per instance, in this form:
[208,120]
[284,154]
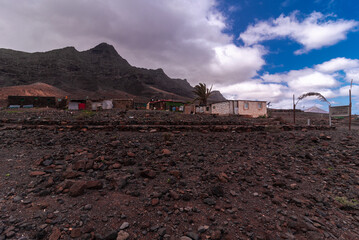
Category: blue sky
[248,49]
[281,57]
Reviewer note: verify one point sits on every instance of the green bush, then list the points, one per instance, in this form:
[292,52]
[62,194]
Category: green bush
[347,203]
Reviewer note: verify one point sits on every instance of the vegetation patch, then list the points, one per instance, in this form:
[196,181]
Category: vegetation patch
[12,111]
[347,204]
[85,114]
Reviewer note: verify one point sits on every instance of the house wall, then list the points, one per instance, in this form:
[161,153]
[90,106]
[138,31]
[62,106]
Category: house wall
[73,106]
[124,104]
[203,109]
[138,105]
[189,109]
[253,108]
[107,104]
[221,108]
[175,106]
[238,108]
[36,101]
[96,106]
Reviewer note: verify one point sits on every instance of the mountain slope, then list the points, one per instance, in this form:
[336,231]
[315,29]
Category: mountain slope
[97,70]
[35,89]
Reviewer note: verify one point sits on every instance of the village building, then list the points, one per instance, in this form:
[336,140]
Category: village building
[34,101]
[168,105]
[139,105]
[240,107]
[77,104]
[196,109]
[123,104]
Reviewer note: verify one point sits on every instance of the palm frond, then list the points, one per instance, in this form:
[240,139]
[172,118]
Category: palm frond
[309,94]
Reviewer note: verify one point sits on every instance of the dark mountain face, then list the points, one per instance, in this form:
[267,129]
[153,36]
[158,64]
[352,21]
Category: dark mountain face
[100,68]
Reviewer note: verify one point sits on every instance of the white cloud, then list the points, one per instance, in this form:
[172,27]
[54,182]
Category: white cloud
[314,32]
[255,90]
[308,80]
[352,74]
[236,64]
[344,91]
[337,64]
[183,37]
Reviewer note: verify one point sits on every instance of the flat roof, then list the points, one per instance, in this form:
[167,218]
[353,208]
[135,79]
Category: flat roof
[239,100]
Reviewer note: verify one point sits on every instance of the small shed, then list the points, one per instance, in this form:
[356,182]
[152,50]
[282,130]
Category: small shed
[169,105]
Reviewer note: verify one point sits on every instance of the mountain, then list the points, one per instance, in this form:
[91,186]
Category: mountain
[98,72]
[35,89]
[315,109]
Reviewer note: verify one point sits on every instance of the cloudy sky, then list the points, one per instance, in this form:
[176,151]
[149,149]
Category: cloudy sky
[248,49]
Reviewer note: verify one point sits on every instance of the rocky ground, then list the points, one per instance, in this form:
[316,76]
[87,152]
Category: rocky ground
[258,182]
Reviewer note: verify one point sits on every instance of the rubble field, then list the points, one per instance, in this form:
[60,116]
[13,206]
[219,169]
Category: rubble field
[160,175]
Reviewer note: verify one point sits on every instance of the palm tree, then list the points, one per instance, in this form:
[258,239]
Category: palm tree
[202,93]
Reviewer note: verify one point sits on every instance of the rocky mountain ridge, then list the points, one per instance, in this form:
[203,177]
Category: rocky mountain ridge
[98,70]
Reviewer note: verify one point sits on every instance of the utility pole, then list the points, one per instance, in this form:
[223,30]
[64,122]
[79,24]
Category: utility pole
[350,105]
[293,110]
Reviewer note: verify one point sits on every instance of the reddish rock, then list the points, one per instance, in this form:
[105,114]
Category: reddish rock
[155,201]
[131,154]
[95,184]
[77,189]
[55,234]
[176,173]
[89,164]
[174,195]
[116,165]
[216,235]
[70,174]
[223,177]
[37,173]
[148,173]
[115,143]
[79,165]
[39,162]
[122,235]
[76,233]
[166,151]
[50,182]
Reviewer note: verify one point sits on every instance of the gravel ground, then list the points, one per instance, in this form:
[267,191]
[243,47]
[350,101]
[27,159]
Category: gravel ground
[60,183]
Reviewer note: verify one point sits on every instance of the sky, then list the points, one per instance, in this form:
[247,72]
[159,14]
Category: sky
[264,50]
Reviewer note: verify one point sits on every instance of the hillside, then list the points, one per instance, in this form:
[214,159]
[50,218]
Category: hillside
[99,71]
[38,89]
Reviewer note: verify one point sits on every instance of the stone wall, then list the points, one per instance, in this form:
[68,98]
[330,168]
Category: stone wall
[222,108]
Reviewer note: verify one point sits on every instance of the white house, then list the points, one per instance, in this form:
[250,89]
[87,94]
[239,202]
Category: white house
[240,107]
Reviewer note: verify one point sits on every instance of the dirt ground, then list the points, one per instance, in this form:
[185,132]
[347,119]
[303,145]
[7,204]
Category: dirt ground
[161,175]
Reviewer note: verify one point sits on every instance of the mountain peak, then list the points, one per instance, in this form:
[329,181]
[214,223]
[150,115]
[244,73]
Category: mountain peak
[104,48]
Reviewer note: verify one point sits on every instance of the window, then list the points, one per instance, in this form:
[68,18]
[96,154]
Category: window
[214,107]
[207,109]
[246,105]
[260,105]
